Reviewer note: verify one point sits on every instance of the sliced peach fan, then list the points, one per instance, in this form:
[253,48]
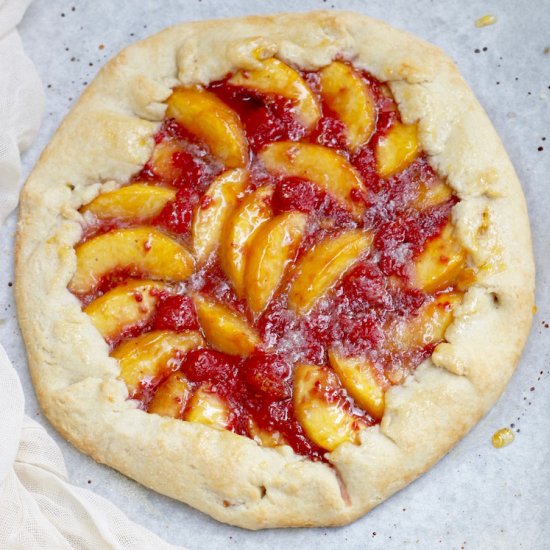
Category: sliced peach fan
[286,255]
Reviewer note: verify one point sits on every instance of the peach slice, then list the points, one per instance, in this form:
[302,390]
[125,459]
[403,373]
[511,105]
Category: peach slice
[429,326]
[214,209]
[440,263]
[135,202]
[171,397]
[323,265]
[345,92]
[273,247]
[144,249]
[206,407]
[161,160]
[224,329]
[145,358]
[263,437]
[254,210]
[360,381]
[326,422]
[205,115]
[276,77]
[432,195]
[397,149]
[322,166]
[124,306]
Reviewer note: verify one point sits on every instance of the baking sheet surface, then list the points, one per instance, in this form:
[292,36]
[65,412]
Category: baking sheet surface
[477,497]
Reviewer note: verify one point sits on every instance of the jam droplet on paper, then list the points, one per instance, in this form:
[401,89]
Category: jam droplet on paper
[502,438]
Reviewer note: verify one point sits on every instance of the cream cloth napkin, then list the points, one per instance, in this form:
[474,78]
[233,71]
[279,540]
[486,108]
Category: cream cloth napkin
[39,508]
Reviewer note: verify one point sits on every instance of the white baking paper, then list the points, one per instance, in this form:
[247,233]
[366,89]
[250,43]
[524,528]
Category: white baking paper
[477,497]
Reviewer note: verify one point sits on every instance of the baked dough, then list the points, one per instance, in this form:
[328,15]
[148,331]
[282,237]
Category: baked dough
[107,137]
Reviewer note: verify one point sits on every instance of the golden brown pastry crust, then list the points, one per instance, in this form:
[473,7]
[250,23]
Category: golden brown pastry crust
[108,136]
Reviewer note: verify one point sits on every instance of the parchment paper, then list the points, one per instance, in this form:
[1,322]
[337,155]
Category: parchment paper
[477,497]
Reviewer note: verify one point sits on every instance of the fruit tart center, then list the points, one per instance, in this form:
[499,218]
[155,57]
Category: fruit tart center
[284,257]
